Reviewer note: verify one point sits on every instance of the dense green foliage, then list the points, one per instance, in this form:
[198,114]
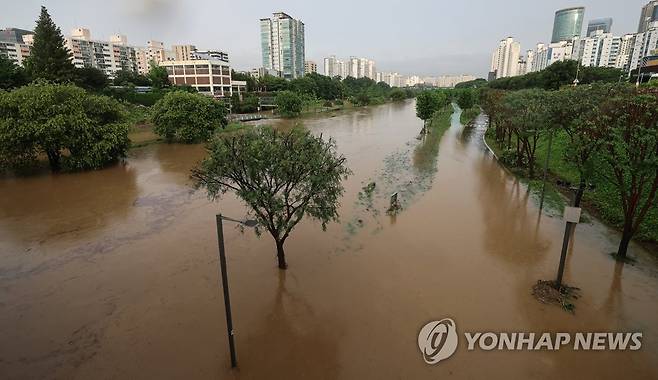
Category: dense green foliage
[477,83]
[90,78]
[248,103]
[604,135]
[289,103]
[187,117]
[428,103]
[11,75]
[158,76]
[465,97]
[49,57]
[282,177]
[557,75]
[74,129]
[129,77]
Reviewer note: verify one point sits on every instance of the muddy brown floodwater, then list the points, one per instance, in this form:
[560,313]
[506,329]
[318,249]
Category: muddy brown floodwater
[114,273]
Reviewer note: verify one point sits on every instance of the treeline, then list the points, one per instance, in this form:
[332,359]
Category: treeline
[607,139]
[557,75]
[59,114]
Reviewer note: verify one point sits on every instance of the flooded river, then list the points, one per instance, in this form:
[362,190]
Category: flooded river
[114,273]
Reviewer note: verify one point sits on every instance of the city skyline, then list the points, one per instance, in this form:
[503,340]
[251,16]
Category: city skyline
[395,43]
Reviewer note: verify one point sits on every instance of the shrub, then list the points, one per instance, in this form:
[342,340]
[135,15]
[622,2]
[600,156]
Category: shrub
[187,117]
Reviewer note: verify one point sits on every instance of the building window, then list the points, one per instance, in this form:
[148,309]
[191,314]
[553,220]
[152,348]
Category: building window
[203,80]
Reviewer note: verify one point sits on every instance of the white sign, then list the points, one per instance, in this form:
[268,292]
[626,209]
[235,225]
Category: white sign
[572,214]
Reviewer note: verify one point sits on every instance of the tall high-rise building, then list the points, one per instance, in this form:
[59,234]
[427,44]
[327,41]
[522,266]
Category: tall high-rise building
[599,49]
[568,24]
[282,45]
[540,58]
[602,24]
[649,14]
[625,51]
[330,66]
[184,52]
[646,44]
[505,59]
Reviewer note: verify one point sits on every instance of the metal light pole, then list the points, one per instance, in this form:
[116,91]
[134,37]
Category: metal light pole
[222,267]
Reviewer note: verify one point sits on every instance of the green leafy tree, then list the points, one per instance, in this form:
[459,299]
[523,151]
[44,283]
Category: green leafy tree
[289,103]
[49,58]
[282,177]
[11,75]
[130,78]
[187,117]
[427,103]
[630,152]
[90,78]
[526,118]
[158,76]
[397,95]
[465,98]
[252,84]
[272,83]
[74,129]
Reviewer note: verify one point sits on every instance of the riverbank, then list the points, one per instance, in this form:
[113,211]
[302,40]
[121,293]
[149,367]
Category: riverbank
[468,115]
[601,201]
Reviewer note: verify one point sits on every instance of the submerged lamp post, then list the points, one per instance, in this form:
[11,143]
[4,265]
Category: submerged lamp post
[222,267]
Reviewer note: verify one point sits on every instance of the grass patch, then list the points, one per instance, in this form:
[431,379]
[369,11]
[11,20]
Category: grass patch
[603,200]
[469,114]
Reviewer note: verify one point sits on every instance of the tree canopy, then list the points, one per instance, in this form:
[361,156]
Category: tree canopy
[49,57]
[74,129]
[281,176]
[187,117]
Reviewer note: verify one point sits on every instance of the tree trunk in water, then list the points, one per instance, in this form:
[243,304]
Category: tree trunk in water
[280,255]
[53,160]
[625,240]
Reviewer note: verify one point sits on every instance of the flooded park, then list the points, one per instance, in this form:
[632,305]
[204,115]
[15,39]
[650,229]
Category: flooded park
[114,273]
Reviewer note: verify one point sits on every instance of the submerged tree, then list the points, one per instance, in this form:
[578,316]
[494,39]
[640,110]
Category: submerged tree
[49,58]
[427,103]
[74,129]
[630,150]
[187,117]
[280,176]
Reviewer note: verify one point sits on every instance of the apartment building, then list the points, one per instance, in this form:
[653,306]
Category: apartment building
[282,45]
[208,76]
[107,56]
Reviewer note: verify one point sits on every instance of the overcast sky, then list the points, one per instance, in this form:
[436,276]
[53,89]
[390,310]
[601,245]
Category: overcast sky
[429,37]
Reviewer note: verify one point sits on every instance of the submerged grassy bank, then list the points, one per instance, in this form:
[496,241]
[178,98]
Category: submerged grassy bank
[601,200]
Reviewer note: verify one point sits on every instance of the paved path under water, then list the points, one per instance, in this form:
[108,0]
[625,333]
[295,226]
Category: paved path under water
[114,273]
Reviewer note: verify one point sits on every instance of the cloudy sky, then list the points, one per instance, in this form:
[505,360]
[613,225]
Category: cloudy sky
[428,37]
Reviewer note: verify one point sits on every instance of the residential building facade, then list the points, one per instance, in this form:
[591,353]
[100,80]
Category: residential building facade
[107,56]
[646,44]
[208,76]
[282,45]
[310,67]
[505,59]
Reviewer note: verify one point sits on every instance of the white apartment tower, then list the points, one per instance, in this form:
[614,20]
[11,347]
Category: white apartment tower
[505,59]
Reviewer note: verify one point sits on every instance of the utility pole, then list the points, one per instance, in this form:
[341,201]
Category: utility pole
[227,300]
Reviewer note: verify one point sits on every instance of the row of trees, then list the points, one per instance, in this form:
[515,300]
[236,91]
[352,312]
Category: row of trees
[611,137]
[428,103]
[557,75]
